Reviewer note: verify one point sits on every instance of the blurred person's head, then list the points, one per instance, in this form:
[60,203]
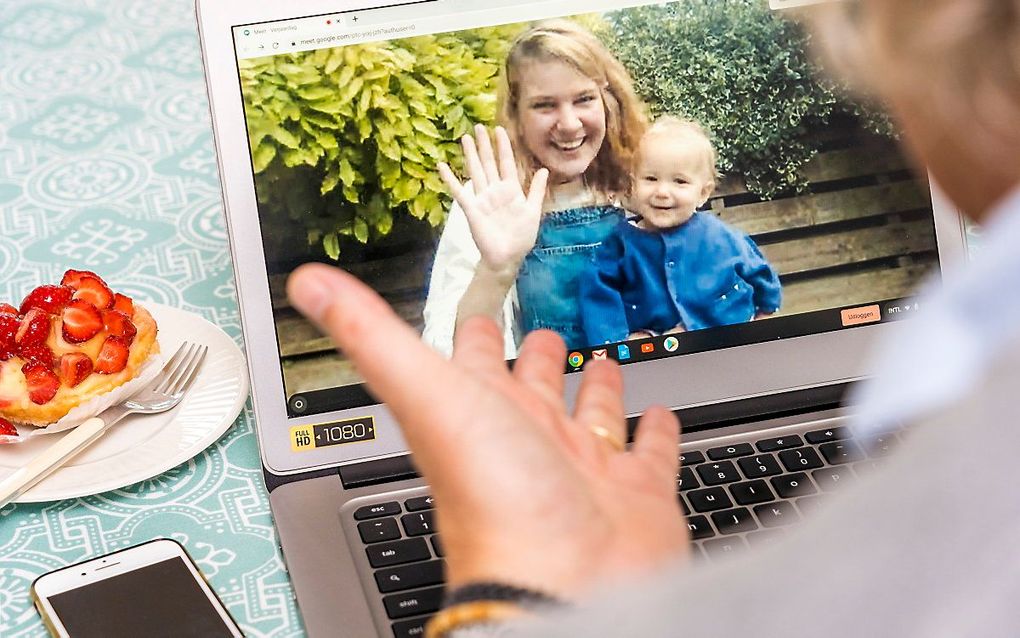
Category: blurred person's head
[570,107]
[950,72]
[674,173]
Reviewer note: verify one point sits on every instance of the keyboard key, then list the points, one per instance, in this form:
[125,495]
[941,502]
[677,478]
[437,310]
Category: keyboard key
[808,505]
[700,527]
[692,458]
[722,547]
[863,468]
[437,546]
[420,503]
[375,511]
[879,445]
[791,485]
[418,524]
[832,478]
[776,514]
[764,537]
[686,508]
[839,452]
[409,576]
[828,434]
[709,499]
[779,443]
[730,451]
[735,520]
[804,458]
[686,480]
[397,552]
[378,531]
[412,603]
[751,492]
[718,473]
[760,466]
[410,628]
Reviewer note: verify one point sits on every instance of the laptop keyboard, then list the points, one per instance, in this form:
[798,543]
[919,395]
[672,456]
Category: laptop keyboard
[734,496]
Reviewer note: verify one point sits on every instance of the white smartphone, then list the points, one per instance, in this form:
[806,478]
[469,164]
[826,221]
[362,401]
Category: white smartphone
[153,589]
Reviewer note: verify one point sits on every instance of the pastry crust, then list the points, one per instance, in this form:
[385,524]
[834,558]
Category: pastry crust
[14,400]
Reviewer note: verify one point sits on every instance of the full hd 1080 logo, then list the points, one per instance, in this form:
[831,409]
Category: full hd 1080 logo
[310,437]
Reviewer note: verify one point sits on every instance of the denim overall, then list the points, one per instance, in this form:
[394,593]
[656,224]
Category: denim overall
[548,283]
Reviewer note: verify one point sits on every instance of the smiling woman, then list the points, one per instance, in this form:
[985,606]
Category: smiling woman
[571,120]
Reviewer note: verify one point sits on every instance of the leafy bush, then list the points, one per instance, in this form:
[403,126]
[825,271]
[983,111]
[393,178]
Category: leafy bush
[344,139]
[743,72]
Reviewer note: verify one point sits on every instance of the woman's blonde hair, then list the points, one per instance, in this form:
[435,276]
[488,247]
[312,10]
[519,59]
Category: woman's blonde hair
[958,59]
[567,42]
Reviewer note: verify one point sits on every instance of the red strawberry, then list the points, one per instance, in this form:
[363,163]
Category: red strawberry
[52,299]
[42,382]
[74,368]
[34,328]
[81,320]
[36,352]
[118,325]
[94,291]
[6,308]
[8,330]
[73,277]
[124,304]
[113,356]
[8,433]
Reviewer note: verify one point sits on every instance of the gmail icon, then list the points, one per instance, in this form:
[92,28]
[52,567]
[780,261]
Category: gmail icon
[599,354]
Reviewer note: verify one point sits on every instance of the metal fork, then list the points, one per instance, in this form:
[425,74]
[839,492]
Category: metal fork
[159,395]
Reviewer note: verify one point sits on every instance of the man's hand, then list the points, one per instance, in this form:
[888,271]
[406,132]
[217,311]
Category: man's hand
[503,220]
[527,495]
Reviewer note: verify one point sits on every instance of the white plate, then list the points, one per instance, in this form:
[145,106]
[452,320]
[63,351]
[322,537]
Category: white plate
[142,446]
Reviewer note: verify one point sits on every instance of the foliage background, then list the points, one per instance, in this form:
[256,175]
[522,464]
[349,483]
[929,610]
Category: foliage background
[346,140]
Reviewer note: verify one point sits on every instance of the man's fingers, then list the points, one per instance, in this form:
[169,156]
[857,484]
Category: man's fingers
[540,365]
[600,400]
[485,154]
[373,337]
[474,164]
[478,346]
[657,441]
[505,151]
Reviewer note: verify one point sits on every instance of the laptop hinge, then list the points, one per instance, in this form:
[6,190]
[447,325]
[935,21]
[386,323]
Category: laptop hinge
[395,468]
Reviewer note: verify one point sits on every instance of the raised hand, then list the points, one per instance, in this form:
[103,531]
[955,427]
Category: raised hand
[503,219]
[528,493]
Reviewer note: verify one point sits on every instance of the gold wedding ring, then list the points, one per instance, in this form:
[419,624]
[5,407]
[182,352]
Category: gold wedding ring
[616,442]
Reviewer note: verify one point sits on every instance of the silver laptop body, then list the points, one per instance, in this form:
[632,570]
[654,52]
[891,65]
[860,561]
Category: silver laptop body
[329,450]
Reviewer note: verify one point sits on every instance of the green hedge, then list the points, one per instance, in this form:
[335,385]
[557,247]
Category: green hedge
[345,139]
[743,72]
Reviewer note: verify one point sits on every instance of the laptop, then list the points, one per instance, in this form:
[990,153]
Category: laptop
[329,116]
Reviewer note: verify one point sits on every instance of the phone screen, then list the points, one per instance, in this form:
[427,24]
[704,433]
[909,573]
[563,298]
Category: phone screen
[161,599]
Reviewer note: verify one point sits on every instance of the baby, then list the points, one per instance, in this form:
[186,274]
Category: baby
[675,269]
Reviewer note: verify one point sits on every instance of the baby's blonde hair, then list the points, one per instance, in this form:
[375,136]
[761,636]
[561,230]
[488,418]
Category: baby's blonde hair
[568,42]
[960,59]
[688,132]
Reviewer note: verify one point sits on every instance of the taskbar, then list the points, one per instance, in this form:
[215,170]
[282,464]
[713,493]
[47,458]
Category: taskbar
[735,335]
[660,347]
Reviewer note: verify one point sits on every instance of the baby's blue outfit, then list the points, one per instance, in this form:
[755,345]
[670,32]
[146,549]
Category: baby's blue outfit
[548,283]
[700,274]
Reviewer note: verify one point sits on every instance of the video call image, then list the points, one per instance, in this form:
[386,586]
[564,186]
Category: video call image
[703,174]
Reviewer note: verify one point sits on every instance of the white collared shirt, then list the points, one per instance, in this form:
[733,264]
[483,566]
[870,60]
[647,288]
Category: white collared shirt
[946,349]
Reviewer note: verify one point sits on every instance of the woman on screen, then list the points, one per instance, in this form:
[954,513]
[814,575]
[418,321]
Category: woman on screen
[569,110]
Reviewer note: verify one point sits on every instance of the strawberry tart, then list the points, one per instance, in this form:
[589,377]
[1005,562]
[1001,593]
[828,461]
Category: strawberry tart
[67,344]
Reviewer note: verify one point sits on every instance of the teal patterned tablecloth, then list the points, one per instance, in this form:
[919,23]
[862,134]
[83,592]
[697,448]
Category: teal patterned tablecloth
[107,163]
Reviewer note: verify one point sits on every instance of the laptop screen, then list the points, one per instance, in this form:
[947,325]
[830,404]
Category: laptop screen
[709,187]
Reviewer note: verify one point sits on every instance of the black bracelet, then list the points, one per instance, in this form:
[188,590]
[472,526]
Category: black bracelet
[498,591]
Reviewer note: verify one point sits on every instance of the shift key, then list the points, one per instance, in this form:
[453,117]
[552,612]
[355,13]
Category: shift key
[398,552]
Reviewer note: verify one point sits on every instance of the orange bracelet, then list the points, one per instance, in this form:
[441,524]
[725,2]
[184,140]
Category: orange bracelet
[472,613]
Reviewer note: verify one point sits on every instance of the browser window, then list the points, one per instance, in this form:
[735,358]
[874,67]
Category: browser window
[805,219]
